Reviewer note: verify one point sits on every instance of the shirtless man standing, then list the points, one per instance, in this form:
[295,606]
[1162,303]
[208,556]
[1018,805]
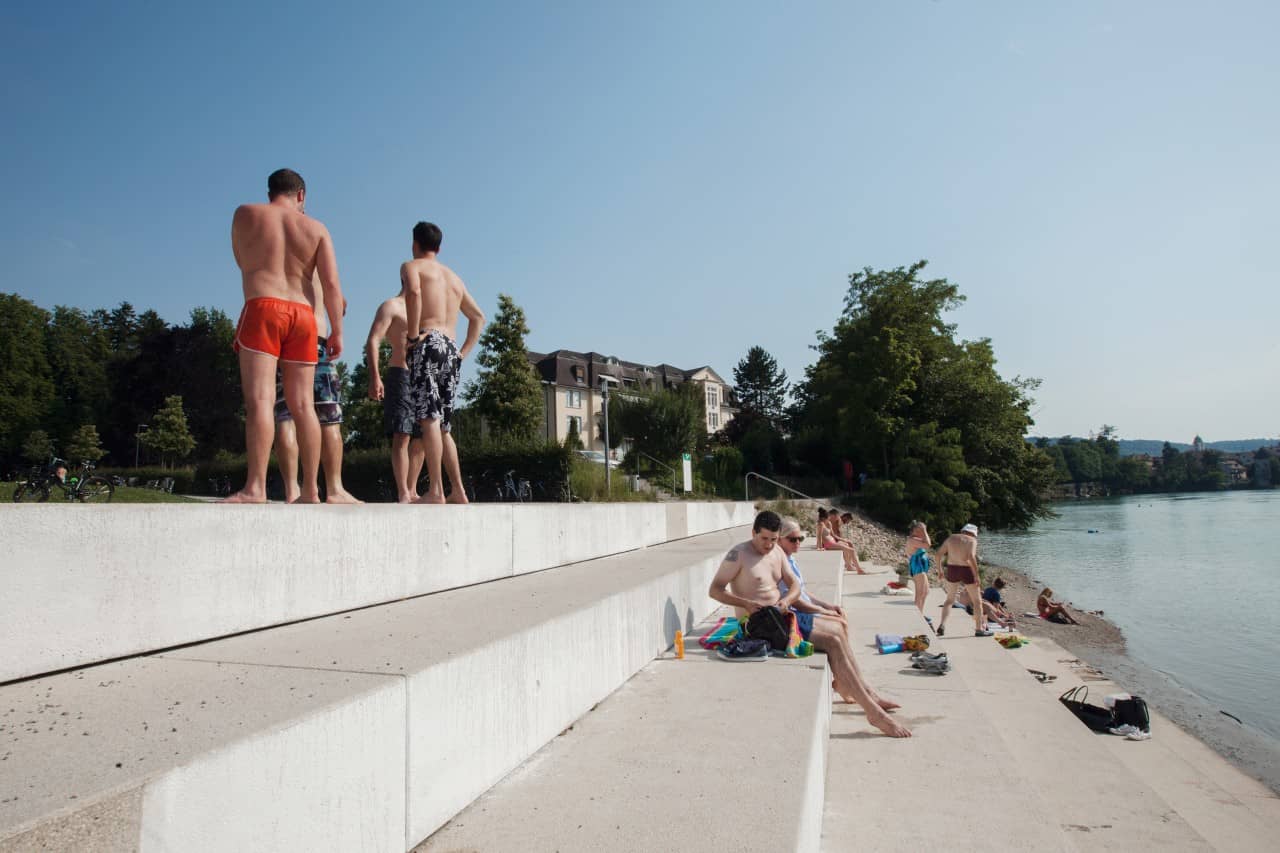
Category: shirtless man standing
[278,248]
[748,579]
[433,296]
[327,391]
[958,559]
[407,454]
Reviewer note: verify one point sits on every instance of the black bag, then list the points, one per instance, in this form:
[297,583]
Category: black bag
[1133,712]
[769,624]
[1098,719]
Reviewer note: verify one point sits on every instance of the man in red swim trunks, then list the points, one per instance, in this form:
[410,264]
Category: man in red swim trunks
[958,559]
[278,248]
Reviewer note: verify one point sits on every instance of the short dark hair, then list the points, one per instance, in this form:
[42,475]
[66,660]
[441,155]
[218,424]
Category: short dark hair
[822,513]
[767,520]
[846,516]
[284,182]
[998,583]
[428,236]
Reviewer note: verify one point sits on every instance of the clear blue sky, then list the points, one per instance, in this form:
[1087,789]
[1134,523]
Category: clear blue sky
[678,181]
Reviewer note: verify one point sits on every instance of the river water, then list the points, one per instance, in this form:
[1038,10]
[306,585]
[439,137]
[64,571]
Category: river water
[1193,581]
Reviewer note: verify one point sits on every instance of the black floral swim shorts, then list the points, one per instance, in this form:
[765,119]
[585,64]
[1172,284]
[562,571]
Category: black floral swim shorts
[327,390]
[434,365]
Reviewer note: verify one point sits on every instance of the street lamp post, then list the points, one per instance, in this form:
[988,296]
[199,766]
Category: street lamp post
[137,442]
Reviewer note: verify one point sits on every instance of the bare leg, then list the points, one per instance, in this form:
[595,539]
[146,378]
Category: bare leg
[841,628]
[299,394]
[400,468]
[921,582]
[979,614]
[417,457]
[434,443]
[258,381]
[826,639]
[952,589]
[457,492]
[331,459]
[287,458]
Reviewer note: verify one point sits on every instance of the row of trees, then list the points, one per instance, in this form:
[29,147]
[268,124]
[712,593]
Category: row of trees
[1097,460]
[70,375]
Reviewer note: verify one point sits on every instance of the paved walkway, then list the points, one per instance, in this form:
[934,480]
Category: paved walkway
[997,762]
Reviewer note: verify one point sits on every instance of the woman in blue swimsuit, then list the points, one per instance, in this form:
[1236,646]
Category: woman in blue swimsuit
[917,553]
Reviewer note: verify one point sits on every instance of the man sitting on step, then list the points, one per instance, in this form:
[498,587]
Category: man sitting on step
[749,578]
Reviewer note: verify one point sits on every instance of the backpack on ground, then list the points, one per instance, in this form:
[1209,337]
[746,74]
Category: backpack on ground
[1098,719]
[771,625]
[1132,712]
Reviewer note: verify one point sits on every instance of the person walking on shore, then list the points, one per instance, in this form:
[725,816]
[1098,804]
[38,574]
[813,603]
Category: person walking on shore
[917,553]
[278,249]
[399,424]
[433,297]
[959,558]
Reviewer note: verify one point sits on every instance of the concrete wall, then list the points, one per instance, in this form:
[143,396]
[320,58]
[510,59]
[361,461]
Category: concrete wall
[90,583]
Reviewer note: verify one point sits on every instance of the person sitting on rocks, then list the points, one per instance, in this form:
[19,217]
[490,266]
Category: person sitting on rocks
[829,538]
[1053,611]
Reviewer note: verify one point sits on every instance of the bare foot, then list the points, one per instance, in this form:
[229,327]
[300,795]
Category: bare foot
[342,497]
[887,704]
[457,496]
[406,499]
[429,498]
[243,497]
[888,725]
[302,500]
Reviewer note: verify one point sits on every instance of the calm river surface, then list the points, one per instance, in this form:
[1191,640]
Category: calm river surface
[1193,581]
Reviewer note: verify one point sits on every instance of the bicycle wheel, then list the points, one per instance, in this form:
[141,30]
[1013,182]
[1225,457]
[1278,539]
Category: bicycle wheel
[31,493]
[95,489]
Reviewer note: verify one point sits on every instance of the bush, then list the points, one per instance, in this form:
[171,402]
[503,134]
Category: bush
[587,481]
[484,468]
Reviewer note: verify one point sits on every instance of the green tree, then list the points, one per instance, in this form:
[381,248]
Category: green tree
[169,435]
[573,441]
[85,445]
[77,350]
[761,387]
[894,391]
[362,422]
[26,389]
[38,447]
[506,393]
[664,423]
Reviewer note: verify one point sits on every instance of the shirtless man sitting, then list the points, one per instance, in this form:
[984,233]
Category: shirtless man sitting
[958,557]
[407,454]
[327,391]
[433,296]
[748,579]
[279,248]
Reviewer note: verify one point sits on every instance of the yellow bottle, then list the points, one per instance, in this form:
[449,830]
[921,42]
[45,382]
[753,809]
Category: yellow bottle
[680,645]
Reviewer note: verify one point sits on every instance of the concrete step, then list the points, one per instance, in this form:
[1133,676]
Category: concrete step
[361,731]
[995,758]
[104,582]
[697,754]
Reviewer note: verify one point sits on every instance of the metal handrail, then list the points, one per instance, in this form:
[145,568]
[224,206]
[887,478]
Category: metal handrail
[746,486]
[659,461]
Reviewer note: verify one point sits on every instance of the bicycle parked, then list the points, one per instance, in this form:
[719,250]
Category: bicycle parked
[75,487]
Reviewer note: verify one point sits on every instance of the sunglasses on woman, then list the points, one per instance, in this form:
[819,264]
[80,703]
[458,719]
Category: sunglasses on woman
[796,539]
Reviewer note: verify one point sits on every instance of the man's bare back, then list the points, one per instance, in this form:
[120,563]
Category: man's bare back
[389,324]
[959,550]
[279,251]
[435,296]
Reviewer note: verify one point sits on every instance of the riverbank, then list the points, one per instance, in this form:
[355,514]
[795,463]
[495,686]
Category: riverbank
[1099,643]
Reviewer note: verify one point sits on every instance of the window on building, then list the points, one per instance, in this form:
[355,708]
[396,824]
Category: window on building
[713,398]
[713,420]
[579,374]
[569,423]
[573,399]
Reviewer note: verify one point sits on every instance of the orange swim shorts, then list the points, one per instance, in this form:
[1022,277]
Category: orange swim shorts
[277,327]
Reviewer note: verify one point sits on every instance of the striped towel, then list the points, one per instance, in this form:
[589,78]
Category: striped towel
[720,633]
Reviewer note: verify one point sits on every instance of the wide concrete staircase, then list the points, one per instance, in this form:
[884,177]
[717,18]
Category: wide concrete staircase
[480,686]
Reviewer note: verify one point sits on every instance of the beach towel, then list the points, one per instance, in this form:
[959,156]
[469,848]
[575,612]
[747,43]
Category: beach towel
[721,633]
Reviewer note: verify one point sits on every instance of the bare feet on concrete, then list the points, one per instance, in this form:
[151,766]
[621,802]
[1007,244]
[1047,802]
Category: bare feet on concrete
[342,497]
[457,496]
[243,497]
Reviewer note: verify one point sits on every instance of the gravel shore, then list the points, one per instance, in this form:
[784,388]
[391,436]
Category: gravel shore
[1095,641]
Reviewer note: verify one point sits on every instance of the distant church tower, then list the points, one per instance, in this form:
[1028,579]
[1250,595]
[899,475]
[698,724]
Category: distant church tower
[1198,444]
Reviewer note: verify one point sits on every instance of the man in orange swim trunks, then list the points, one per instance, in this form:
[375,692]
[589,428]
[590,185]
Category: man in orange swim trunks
[278,248]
